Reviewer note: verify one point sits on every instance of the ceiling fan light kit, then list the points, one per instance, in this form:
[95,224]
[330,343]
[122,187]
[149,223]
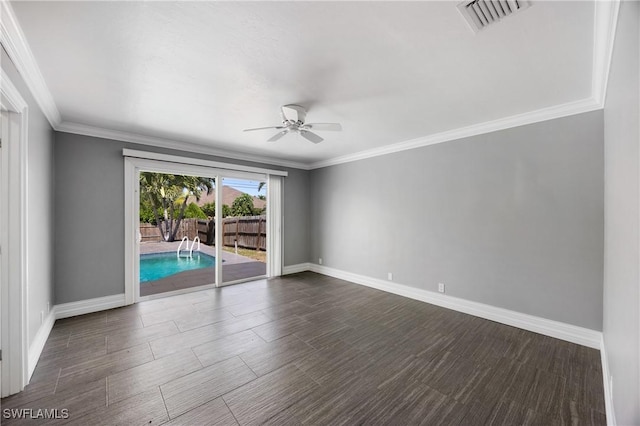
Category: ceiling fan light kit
[293,121]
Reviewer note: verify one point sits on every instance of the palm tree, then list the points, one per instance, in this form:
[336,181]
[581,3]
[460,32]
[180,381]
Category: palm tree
[165,192]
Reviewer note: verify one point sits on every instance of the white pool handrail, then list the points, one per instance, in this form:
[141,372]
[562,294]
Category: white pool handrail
[186,247]
[193,244]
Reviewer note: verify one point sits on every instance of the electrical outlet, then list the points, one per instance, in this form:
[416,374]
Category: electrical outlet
[320,261]
[441,287]
[390,276]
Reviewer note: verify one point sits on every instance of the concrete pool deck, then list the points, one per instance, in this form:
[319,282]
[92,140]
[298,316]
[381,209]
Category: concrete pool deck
[235,267]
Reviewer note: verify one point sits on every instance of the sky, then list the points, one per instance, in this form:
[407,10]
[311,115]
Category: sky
[248,186]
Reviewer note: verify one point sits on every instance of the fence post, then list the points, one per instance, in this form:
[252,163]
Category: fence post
[237,229]
[226,225]
[258,236]
[210,232]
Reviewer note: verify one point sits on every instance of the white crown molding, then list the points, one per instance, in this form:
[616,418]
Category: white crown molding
[557,111]
[15,43]
[550,113]
[35,350]
[605,21]
[604,33]
[98,132]
[66,310]
[559,330]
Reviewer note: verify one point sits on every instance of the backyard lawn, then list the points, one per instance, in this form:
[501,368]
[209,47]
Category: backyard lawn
[258,255]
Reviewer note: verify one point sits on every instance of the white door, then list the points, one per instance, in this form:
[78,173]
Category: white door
[2,204]
[4,126]
[14,367]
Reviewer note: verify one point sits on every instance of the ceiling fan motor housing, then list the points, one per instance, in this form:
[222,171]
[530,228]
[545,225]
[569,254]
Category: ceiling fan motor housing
[293,114]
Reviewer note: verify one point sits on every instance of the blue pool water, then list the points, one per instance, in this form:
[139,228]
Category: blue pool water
[160,265]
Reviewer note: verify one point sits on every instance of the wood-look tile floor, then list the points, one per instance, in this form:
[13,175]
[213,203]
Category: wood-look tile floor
[307,349]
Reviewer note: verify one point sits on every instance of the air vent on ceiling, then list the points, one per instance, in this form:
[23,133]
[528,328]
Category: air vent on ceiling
[479,14]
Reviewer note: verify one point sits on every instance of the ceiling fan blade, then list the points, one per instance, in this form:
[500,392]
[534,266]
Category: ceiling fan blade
[264,128]
[323,126]
[310,136]
[277,136]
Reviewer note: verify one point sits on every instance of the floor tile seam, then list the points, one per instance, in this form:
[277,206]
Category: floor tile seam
[293,363]
[290,364]
[198,358]
[110,363]
[173,318]
[33,402]
[229,408]
[55,388]
[164,402]
[247,365]
[153,355]
[223,336]
[205,325]
[160,384]
[243,331]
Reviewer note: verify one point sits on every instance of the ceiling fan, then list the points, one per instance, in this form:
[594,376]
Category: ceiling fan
[293,117]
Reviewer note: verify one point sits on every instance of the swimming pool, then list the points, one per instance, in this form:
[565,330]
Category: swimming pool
[160,265]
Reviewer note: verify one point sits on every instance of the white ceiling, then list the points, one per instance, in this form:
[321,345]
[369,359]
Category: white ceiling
[201,72]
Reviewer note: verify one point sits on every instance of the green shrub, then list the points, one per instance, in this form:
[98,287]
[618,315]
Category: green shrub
[146,213]
[210,210]
[194,211]
[242,206]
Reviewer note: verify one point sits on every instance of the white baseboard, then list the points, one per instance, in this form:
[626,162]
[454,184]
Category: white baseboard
[35,350]
[608,392]
[294,269]
[66,310]
[571,333]
[557,329]
[82,307]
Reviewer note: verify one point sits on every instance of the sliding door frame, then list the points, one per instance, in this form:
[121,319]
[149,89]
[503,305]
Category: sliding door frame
[140,161]
[16,368]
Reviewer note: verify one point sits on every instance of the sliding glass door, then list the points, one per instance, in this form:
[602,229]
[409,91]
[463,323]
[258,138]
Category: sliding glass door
[176,240]
[195,227]
[243,228]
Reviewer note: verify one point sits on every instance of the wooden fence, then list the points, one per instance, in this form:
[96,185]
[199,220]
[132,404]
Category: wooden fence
[249,231]
[151,233]
[206,231]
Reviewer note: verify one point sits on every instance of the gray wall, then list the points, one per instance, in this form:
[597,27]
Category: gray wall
[622,216]
[89,206]
[40,204]
[512,219]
